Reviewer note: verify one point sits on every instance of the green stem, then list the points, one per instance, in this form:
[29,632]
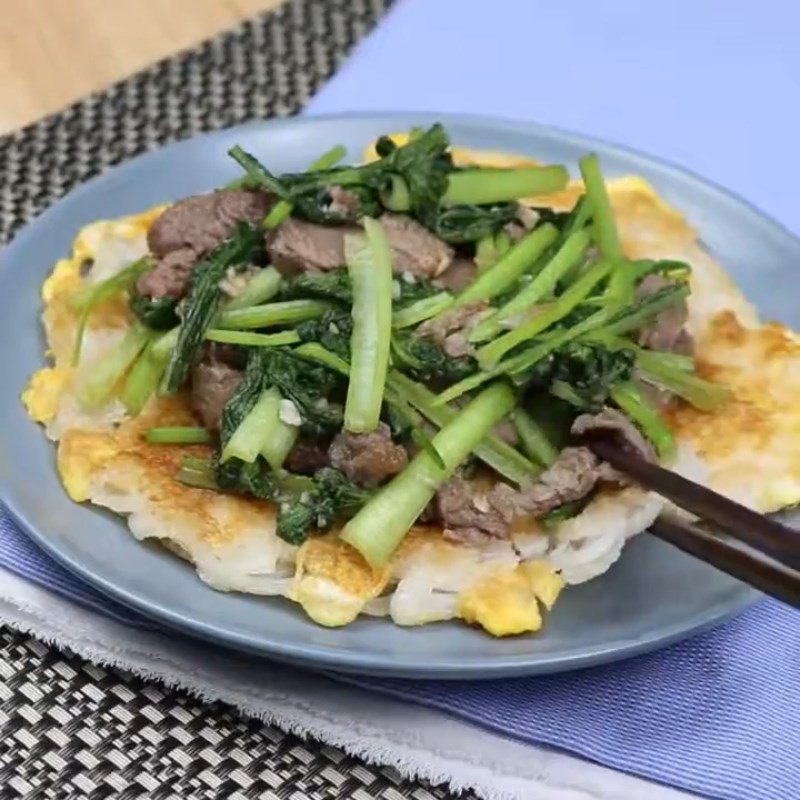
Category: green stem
[490,249]
[379,527]
[502,275]
[534,440]
[165,344]
[490,354]
[282,210]
[369,264]
[605,226]
[701,393]
[257,173]
[314,351]
[490,185]
[87,302]
[248,339]
[278,437]
[492,450]
[255,430]
[637,315]
[566,257]
[264,286]
[421,310]
[285,312]
[143,379]
[631,401]
[109,371]
[178,435]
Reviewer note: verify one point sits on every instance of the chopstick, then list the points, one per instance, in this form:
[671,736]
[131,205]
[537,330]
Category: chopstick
[760,532]
[771,560]
[750,566]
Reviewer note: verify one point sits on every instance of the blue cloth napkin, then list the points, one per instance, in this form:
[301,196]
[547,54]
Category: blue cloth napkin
[705,84]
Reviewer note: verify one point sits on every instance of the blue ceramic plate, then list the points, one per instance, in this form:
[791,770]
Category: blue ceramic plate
[654,594]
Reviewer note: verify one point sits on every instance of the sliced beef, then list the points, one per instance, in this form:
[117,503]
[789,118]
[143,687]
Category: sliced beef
[297,245]
[414,248]
[615,423]
[467,513]
[451,329]
[668,330]
[189,229]
[170,276]
[213,384]
[460,274]
[368,458]
[307,456]
[202,222]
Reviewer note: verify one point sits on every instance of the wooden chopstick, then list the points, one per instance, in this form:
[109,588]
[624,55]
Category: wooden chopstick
[759,532]
[750,566]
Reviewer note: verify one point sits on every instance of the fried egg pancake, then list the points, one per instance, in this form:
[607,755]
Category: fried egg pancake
[748,450]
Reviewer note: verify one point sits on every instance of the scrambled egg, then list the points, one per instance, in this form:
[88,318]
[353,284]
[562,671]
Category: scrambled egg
[501,586]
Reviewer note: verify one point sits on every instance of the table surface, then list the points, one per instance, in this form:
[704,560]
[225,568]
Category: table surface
[54,51]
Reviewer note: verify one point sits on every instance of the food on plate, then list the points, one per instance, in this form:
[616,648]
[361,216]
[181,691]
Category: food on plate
[364,388]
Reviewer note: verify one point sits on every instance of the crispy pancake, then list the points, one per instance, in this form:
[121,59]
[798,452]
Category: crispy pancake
[501,585]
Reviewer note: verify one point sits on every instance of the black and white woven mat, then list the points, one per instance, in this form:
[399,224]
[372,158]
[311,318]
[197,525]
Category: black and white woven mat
[71,730]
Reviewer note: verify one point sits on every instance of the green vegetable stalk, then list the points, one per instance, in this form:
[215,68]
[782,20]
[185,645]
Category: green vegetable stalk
[249,339]
[489,185]
[286,312]
[490,354]
[534,439]
[379,527]
[262,287]
[122,281]
[660,369]
[421,310]
[111,368]
[178,435]
[492,450]
[143,379]
[369,263]
[253,431]
[566,257]
[504,273]
[628,397]
[278,437]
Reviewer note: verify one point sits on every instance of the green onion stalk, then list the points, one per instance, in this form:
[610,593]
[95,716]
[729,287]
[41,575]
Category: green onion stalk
[379,526]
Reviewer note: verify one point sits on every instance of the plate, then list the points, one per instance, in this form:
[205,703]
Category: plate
[652,596]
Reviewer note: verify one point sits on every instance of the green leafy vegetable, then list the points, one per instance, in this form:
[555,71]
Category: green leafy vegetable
[333,285]
[427,361]
[331,496]
[533,438]
[270,315]
[157,313]
[483,185]
[332,330]
[202,301]
[458,224]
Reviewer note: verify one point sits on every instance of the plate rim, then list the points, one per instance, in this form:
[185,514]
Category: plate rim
[355,661]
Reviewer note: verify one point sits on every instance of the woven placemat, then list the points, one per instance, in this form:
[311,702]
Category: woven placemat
[69,729]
